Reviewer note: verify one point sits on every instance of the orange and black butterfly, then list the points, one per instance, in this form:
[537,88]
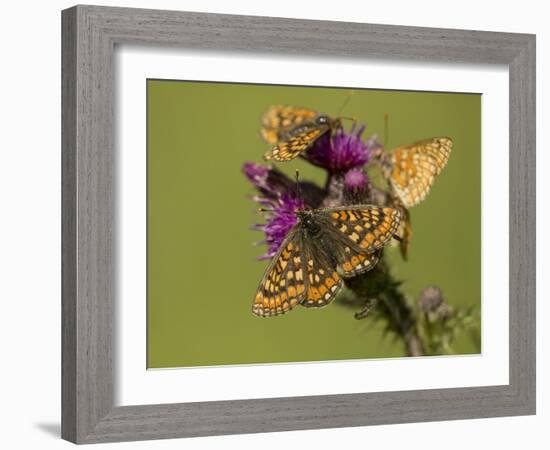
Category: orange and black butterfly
[324,246]
[292,130]
[411,169]
[405,231]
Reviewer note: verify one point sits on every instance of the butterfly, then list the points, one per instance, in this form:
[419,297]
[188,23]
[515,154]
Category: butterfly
[323,247]
[411,169]
[292,130]
[405,230]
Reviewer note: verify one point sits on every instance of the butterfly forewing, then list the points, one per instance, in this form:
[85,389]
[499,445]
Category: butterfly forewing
[296,143]
[412,169]
[366,228]
[440,150]
[292,130]
[351,260]
[282,286]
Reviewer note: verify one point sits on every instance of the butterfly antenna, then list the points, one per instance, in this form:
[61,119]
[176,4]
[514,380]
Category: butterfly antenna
[353,122]
[346,101]
[298,187]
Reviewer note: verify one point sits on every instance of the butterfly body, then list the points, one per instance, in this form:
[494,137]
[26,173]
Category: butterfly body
[292,130]
[323,247]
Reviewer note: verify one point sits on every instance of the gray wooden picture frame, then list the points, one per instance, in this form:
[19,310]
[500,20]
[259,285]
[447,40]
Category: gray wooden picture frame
[90,34]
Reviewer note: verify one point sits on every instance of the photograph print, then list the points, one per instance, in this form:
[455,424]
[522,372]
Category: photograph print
[296,224]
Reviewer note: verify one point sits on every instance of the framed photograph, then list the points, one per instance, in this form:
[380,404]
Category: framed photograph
[268,230]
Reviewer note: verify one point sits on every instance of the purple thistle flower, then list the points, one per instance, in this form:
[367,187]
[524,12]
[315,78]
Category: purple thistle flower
[280,220]
[255,172]
[268,180]
[342,151]
[281,197]
[355,180]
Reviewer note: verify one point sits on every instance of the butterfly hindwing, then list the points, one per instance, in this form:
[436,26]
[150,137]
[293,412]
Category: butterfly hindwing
[405,231]
[280,118]
[282,286]
[354,263]
[322,280]
[411,169]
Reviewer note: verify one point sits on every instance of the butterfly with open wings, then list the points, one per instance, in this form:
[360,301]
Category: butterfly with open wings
[323,247]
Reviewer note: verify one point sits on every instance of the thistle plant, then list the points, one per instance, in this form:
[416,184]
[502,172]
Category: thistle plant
[425,326]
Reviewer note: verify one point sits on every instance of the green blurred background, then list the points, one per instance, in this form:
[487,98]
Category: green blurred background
[202,270]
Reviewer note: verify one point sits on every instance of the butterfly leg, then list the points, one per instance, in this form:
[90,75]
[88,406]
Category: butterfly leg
[371,303]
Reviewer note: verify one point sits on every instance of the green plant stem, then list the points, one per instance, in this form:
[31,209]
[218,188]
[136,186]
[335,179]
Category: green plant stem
[391,305]
[377,284]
